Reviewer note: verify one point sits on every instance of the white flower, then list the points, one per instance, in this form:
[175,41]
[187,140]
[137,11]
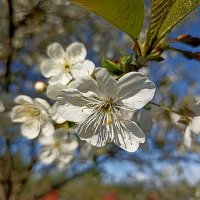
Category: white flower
[96,103]
[34,116]
[193,128]
[63,65]
[57,148]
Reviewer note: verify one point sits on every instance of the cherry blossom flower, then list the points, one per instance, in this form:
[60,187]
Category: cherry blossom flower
[57,148]
[63,65]
[96,106]
[34,116]
[193,127]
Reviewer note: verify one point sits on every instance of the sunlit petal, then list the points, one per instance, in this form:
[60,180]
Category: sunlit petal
[50,68]
[135,90]
[76,53]
[56,51]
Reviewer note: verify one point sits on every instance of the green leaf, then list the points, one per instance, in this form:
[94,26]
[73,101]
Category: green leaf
[125,62]
[112,67]
[159,11]
[178,11]
[127,15]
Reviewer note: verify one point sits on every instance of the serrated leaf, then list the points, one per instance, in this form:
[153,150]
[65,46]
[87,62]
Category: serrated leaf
[127,15]
[159,11]
[112,67]
[178,11]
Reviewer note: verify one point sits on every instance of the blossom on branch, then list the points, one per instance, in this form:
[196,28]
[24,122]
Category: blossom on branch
[34,116]
[193,127]
[63,65]
[96,106]
[57,148]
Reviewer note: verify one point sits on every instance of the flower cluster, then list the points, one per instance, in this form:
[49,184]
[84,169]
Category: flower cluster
[99,103]
[104,107]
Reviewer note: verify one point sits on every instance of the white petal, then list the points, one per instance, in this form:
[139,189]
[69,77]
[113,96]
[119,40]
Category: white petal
[107,85]
[47,155]
[42,103]
[135,90]
[46,140]
[22,99]
[195,125]
[76,52]
[69,146]
[31,129]
[63,78]
[71,96]
[53,90]
[72,84]
[56,116]
[64,159]
[50,68]
[93,132]
[187,139]
[56,51]
[86,84]
[88,67]
[71,105]
[18,114]
[72,113]
[129,136]
[47,127]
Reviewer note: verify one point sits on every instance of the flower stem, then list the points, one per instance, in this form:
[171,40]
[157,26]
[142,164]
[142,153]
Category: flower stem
[167,108]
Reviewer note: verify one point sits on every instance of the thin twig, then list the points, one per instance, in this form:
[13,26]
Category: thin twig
[11,32]
[167,108]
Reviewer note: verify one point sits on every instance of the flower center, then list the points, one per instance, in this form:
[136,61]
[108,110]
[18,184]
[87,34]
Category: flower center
[108,109]
[67,67]
[32,111]
[57,145]
[107,104]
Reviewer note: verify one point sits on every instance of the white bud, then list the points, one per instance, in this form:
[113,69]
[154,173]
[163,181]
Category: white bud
[40,86]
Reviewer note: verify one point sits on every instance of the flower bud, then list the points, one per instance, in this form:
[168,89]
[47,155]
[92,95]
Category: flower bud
[40,86]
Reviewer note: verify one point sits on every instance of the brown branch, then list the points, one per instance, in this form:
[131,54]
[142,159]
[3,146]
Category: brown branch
[11,32]
[2,192]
